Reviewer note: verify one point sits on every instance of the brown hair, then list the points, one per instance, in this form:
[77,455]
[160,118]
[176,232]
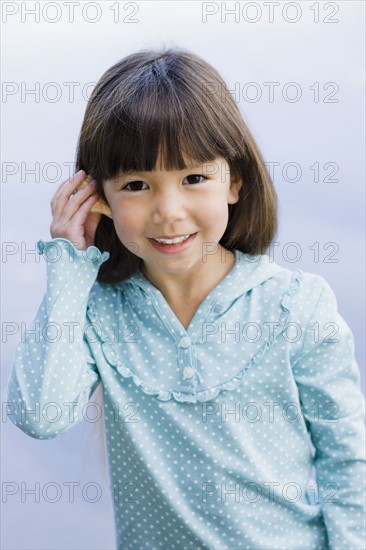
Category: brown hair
[174,102]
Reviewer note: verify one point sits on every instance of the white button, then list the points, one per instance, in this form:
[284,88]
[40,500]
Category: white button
[185,342]
[188,372]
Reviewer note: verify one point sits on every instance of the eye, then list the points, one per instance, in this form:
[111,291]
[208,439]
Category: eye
[196,176]
[136,185]
[133,183]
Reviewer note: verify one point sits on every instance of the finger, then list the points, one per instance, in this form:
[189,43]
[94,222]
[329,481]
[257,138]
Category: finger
[74,200]
[79,176]
[78,219]
[84,215]
[64,191]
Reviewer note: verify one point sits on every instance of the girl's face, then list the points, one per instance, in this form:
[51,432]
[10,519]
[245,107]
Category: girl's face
[163,204]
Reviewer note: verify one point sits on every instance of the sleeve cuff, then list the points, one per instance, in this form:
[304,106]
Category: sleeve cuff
[53,250]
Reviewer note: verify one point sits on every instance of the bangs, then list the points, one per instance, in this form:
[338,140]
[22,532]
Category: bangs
[155,114]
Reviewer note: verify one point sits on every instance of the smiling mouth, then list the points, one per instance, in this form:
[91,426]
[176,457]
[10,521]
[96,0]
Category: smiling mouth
[172,240]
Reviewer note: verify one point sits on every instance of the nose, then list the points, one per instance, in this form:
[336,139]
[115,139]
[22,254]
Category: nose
[168,206]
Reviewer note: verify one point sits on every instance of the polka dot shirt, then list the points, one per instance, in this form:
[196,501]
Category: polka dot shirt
[243,431]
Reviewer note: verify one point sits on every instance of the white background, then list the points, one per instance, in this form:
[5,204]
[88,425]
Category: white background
[43,128]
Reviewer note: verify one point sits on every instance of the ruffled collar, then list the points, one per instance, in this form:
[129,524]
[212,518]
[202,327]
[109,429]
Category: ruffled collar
[247,272]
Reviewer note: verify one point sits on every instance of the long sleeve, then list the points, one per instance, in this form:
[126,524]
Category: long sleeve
[333,406]
[54,375]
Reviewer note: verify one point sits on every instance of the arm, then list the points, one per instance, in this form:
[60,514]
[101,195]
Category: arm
[328,380]
[54,374]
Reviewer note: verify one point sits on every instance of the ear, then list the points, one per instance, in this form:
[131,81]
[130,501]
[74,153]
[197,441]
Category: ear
[233,194]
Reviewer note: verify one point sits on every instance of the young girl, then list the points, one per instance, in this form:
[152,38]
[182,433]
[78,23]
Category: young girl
[228,380]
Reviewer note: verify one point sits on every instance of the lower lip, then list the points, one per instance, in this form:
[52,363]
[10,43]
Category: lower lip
[173,248]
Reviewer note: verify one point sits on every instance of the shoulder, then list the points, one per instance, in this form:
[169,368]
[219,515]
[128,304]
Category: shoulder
[308,297]
[308,310]
[264,271]
[302,290]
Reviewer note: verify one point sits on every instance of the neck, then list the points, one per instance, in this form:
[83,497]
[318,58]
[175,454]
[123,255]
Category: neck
[195,284]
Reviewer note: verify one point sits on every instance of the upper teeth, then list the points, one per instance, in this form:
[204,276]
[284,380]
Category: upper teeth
[173,241]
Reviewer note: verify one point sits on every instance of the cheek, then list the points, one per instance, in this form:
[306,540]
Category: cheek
[215,211]
[126,220]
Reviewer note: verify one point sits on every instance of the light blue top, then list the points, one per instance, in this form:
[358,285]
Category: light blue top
[212,432]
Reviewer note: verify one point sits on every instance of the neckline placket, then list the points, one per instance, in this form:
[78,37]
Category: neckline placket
[202,313]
